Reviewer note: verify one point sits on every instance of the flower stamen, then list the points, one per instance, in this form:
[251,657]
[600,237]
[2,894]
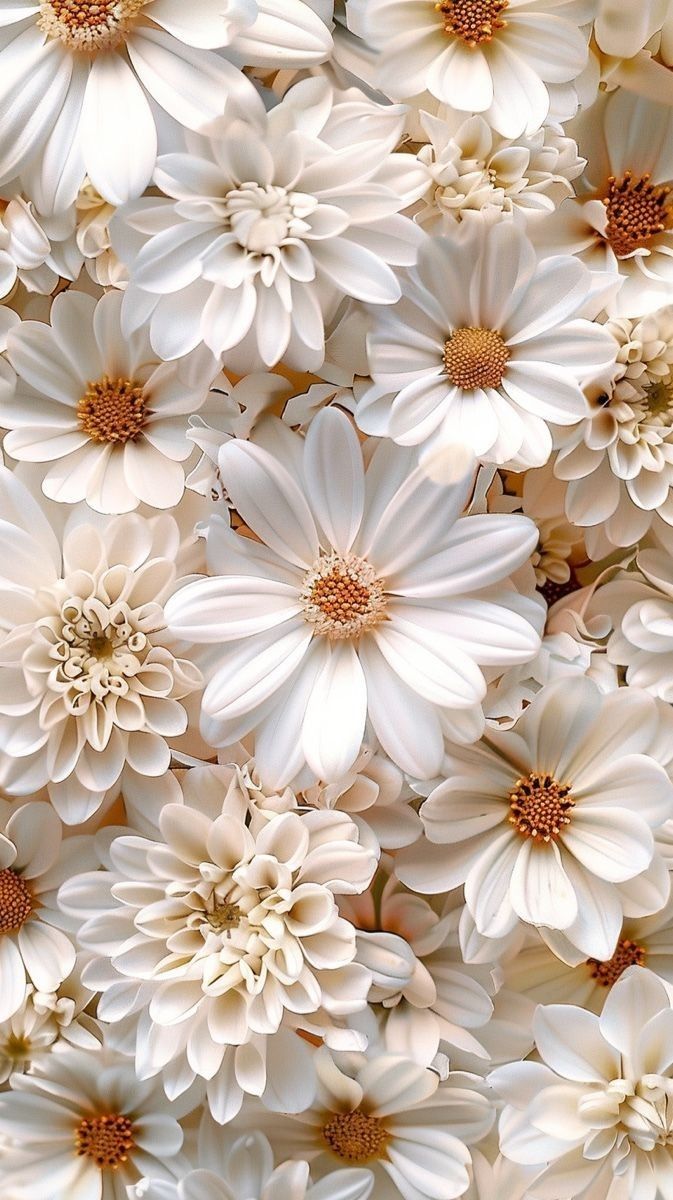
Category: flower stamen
[473,21]
[342,596]
[88,26]
[16,901]
[540,807]
[112,410]
[627,954]
[637,211]
[106,1139]
[356,1137]
[475,358]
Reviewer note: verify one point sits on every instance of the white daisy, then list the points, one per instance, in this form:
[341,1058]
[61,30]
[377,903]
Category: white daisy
[90,679]
[228,939]
[268,222]
[487,347]
[595,1113]
[364,596]
[36,938]
[496,57]
[78,83]
[46,1019]
[83,1126]
[548,822]
[104,414]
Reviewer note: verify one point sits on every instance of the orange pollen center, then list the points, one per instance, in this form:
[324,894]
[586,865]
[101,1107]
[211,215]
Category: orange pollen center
[637,212]
[355,1137]
[107,1140]
[88,26]
[112,410]
[16,901]
[540,807]
[473,21]
[342,596]
[475,358]
[627,954]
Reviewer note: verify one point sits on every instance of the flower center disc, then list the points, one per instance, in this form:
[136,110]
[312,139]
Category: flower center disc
[637,212]
[88,25]
[342,596]
[540,807]
[16,902]
[473,21]
[355,1136]
[107,1140]
[224,916]
[112,410]
[475,358]
[627,954]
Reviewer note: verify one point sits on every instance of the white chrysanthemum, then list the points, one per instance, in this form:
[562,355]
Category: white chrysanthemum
[90,678]
[633,47]
[375,795]
[429,998]
[619,461]
[496,57]
[93,216]
[46,1019]
[34,249]
[226,934]
[595,1113]
[640,605]
[247,1170]
[106,417]
[79,82]
[82,1125]
[552,823]
[365,596]
[34,862]
[268,223]
[487,348]
[388,1114]
[471,168]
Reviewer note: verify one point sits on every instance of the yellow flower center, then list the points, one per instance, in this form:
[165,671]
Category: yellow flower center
[355,1137]
[637,211]
[475,358]
[224,916]
[88,26]
[16,901]
[540,807]
[112,410]
[473,21]
[342,596]
[107,1140]
[627,954]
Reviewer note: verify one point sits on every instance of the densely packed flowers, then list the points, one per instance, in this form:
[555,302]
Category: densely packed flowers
[336,600]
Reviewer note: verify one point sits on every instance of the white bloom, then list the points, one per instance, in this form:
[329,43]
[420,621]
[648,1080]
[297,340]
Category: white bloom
[552,823]
[93,216]
[106,416]
[232,932]
[595,1114]
[247,1170]
[34,249]
[80,84]
[472,168]
[82,1125]
[268,223]
[90,679]
[35,860]
[45,1019]
[495,57]
[640,605]
[365,596]
[487,347]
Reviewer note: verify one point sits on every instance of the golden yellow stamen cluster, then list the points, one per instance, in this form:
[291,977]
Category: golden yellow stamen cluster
[473,21]
[112,410]
[637,211]
[16,901]
[540,807]
[106,1139]
[627,954]
[88,26]
[475,358]
[355,1137]
[224,916]
[342,596]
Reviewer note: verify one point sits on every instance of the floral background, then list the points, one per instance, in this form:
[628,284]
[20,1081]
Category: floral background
[336,600]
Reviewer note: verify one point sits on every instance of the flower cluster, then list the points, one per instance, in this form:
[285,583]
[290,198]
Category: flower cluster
[336,599]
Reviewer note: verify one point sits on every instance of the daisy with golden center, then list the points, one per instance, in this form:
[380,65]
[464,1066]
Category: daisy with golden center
[637,211]
[107,1140]
[540,807]
[342,596]
[473,21]
[476,358]
[112,410]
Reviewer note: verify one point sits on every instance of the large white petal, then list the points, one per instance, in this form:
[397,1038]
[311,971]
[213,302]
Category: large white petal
[334,722]
[119,140]
[335,477]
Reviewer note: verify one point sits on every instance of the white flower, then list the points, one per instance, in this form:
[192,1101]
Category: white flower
[46,1019]
[595,1114]
[232,932]
[80,83]
[365,596]
[34,861]
[551,823]
[93,216]
[472,168]
[247,1170]
[487,347]
[269,222]
[90,679]
[106,416]
[83,1125]
[388,1114]
[640,605]
[35,249]
[484,56]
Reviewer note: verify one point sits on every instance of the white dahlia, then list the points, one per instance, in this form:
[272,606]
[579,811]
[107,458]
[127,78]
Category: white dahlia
[83,1127]
[487,347]
[552,822]
[496,57]
[595,1115]
[220,939]
[266,224]
[361,596]
[90,678]
[104,414]
[79,82]
[640,605]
